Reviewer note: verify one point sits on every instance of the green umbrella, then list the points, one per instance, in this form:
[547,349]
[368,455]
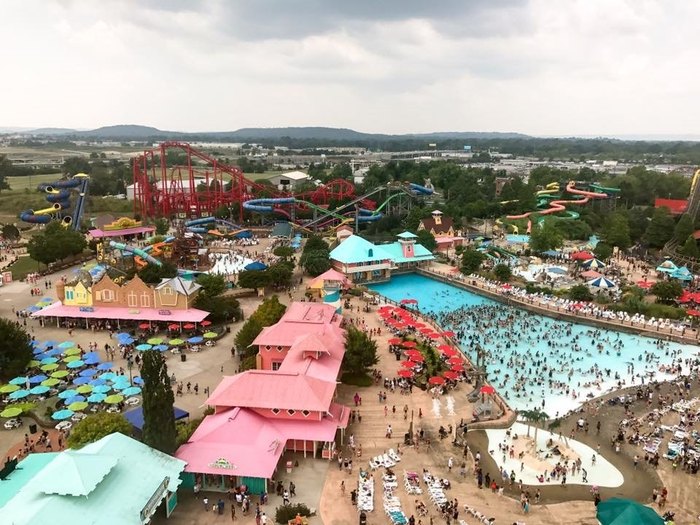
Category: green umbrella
[619,511]
[155,341]
[71,358]
[210,335]
[60,373]
[8,389]
[78,406]
[11,412]
[51,381]
[176,342]
[34,363]
[72,351]
[114,399]
[49,367]
[84,389]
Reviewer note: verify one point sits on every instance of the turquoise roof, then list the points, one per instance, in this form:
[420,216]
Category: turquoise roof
[117,498]
[407,235]
[355,249]
[395,252]
[26,470]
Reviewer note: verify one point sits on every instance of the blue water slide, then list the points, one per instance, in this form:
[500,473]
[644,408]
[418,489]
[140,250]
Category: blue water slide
[365,215]
[266,205]
[420,189]
[135,251]
[58,195]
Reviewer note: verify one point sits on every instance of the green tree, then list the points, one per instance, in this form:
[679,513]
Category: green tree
[15,349]
[280,274]
[55,243]
[316,262]
[211,285]
[268,313]
[545,237]
[690,247]
[284,252]
[10,232]
[96,426]
[580,292]
[412,220]
[159,429]
[315,242]
[253,279]
[162,226]
[535,416]
[75,165]
[667,291]
[603,251]
[617,231]
[152,273]
[660,229]
[472,261]
[427,239]
[684,228]
[6,170]
[360,352]
[503,272]
[221,308]
[246,335]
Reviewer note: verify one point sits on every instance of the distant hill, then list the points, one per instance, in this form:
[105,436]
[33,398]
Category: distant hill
[127,131]
[52,131]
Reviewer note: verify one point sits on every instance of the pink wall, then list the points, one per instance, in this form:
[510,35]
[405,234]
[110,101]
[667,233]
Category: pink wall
[282,414]
[267,357]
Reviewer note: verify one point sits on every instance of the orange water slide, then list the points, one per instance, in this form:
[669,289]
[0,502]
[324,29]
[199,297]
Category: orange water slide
[559,205]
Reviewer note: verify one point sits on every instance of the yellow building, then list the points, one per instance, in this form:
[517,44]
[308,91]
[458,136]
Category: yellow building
[77,295]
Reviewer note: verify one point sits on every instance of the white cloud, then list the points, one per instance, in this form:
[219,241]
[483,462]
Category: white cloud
[540,67]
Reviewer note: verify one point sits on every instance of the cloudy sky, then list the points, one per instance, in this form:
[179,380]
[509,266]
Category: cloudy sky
[544,67]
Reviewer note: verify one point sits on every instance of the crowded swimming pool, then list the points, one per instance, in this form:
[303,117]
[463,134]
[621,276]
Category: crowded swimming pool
[536,361]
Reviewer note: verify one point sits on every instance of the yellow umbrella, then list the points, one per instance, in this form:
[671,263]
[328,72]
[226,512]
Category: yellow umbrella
[72,351]
[60,373]
[49,367]
[84,389]
[70,359]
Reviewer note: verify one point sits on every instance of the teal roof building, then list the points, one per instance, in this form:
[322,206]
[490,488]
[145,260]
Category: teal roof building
[116,480]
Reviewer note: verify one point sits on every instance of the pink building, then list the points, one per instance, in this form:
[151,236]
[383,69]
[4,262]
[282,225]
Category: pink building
[287,404]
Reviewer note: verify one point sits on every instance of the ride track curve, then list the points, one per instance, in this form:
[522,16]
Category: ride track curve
[58,195]
[559,205]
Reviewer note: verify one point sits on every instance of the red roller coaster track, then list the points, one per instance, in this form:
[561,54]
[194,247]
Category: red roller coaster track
[163,191]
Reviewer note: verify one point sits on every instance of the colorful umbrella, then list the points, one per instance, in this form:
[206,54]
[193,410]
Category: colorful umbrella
[205,323]
[38,390]
[602,283]
[19,394]
[96,398]
[35,380]
[101,389]
[448,333]
[176,342]
[105,366]
[143,347]
[452,376]
[131,391]
[66,344]
[60,374]
[108,376]
[72,351]
[210,335]
[88,372]
[173,326]
[20,380]
[454,360]
[395,341]
[82,380]
[487,389]
[160,348]
[85,389]
[76,364]
[195,340]
[457,368]
[71,358]
[67,393]
[48,361]
[408,364]
[74,399]
[417,358]
[78,406]
[618,511]
[409,301]
[188,326]
[34,363]
[121,385]
[62,414]
[11,412]
[51,381]
[436,380]
[433,335]
[138,381]
[144,326]
[409,344]
[114,399]
[405,373]
[7,389]
[49,367]
[155,341]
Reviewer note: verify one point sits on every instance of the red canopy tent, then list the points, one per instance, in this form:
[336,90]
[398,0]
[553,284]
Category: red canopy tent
[436,380]
[407,374]
[395,341]
[450,375]
[409,344]
[487,389]
[581,256]
[457,368]
[448,333]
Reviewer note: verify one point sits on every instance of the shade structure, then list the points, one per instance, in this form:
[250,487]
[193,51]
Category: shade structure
[681,274]
[131,391]
[173,326]
[11,412]
[74,399]
[143,347]
[436,380]
[19,380]
[210,335]
[39,389]
[395,341]
[35,380]
[60,373]
[122,335]
[448,333]
[195,340]
[455,360]
[457,368]
[66,344]
[693,313]
[176,342]
[84,380]
[602,283]
[487,389]
[255,266]
[450,352]
[108,376]
[48,360]
[667,266]
[19,394]
[91,360]
[581,256]
[121,385]
[409,344]
[101,389]
[76,364]
[619,511]
[51,381]
[96,398]
[450,375]
[60,415]
[88,372]
[72,351]
[71,358]
[138,381]
[78,406]
[406,374]
[114,399]
[593,264]
[188,326]
[409,301]
[144,326]
[160,348]
[155,340]
[591,274]
[33,363]
[105,366]
[433,335]
[408,364]
[67,393]
[126,341]
[8,389]
[85,389]
[206,322]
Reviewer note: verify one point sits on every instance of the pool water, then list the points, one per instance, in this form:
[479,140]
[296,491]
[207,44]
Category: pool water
[533,360]
[517,239]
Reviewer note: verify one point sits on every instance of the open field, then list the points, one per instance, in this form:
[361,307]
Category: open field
[31,181]
[22,267]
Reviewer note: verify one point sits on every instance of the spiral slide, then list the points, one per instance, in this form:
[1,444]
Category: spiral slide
[197,226]
[557,206]
[417,188]
[58,194]
[143,254]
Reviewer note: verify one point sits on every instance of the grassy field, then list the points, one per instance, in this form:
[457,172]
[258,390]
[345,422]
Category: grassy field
[31,182]
[22,267]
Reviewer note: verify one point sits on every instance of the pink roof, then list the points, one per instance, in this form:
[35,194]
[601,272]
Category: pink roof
[249,444]
[330,275]
[97,233]
[192,315]
[273,389]
[301,319]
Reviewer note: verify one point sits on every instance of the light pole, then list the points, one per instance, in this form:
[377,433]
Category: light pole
[130,365]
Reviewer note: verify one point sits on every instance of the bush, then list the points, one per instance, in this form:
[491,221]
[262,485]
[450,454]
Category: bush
[356,379]
[185,430]
[580,292]
[285,513]
[502,272]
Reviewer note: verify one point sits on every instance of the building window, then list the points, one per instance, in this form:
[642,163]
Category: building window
[267,347]
[275,411]
[69,295]
[108,295]
[167,291]
[145,300]
[131,300]
[98,295]
[305,413]
[291,412]
[279,348]
[276,365]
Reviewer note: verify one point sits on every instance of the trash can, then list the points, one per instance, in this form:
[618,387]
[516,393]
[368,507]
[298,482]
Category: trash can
[32,428]
[183,357]
[363,518]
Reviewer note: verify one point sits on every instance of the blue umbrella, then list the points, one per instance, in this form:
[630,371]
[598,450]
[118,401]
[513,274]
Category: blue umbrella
[74,399]
[62,414]
[48,343]
[36,343]
[131,391]
[105,366]
[36,350]
[20,380]
[32,309]
[65,345]
[90,355]
[138,381]
[195,340]
[98,382]
[101,389]
[39,389]
[121,335]
[88,372]
[108,376]
[35,380]
[126,341]
[96,398]
[48,360]
[144,347]
[257,265]
[76,364]
[52,352]
[19,394]
[91,360]
[82,381]
[161,348]
[68,393]
[121,385]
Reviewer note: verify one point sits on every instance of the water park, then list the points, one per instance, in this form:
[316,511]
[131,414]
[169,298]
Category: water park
[58,194]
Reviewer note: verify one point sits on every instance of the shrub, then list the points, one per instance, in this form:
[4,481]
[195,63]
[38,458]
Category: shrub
[185,430]
[580,292]
[285,513]
[356,379]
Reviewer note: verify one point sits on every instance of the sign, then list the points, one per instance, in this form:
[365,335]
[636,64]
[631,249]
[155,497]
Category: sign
[223,463]
[134,312]
[164,312]
[87,309]
[154,501]
[170,504]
